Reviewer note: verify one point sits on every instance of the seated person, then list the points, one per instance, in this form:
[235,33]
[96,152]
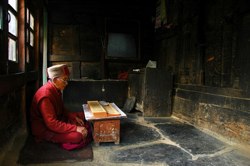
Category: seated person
[50,121]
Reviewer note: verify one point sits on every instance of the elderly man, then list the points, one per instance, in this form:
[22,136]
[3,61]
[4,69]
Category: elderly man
[50,120]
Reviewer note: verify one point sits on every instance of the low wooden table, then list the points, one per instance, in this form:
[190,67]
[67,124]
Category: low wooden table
[105,129]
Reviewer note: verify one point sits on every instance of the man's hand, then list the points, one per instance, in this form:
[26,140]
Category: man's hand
[82,130]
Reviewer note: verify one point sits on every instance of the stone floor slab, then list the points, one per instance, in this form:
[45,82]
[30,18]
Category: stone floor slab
[151,154]
[191,138]
[134,133]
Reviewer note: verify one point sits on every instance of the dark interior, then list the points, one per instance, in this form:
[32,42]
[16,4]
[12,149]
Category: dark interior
[187,59]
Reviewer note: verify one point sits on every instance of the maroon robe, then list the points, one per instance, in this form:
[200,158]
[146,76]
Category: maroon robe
[50,120]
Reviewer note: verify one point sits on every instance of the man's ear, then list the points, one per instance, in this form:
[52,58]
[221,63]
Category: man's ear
[55,80]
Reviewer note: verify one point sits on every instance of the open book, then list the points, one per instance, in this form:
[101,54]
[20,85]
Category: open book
[102,109]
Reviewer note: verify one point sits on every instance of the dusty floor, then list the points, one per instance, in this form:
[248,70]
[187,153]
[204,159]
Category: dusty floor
[151,141]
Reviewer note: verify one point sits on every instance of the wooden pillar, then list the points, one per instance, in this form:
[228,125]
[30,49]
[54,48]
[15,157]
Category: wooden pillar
[22,58]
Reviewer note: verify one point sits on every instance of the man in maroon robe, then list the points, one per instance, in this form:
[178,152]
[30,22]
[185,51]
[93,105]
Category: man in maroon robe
[51,121]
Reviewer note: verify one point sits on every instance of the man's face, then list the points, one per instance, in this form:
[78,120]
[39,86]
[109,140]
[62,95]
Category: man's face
[61,82]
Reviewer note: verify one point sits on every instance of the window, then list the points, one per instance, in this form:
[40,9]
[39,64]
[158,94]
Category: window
[12,51]
[121,45]
[122,39]
[30,22]
[1,18]
[12,29]
[13,4]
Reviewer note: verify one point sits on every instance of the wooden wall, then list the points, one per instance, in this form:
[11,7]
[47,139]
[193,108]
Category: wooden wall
[79,36]
[206,46]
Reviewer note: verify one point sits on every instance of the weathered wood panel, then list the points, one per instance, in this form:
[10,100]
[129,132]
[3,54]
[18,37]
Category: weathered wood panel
[64,40]
[226,115]
[9,83]
[78,92]
[10,115]
[157,95]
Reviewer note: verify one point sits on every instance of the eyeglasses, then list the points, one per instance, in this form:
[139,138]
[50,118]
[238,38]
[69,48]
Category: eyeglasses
[64,81]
